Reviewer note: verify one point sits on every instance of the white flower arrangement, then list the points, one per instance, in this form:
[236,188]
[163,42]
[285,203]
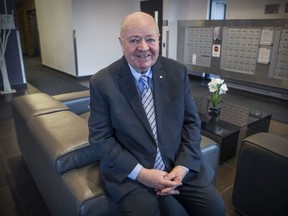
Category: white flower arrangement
[218,88]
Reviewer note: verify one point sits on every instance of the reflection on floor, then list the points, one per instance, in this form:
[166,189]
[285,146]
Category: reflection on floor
[19,195]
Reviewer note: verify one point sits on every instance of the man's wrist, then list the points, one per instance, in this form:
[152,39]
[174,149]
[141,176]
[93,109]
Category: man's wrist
[185,168]
[133,175]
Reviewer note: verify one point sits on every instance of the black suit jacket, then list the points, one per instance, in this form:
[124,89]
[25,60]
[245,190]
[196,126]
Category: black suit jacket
[121,133]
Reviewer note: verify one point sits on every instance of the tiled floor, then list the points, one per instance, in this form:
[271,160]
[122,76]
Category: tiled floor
[9,150]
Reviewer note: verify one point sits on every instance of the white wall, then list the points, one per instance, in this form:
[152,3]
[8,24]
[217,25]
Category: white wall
[55,31]
[97,25]
[248,9]
[181,10]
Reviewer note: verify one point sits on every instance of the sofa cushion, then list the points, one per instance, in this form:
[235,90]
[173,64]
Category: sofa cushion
[86,191]
[63,139]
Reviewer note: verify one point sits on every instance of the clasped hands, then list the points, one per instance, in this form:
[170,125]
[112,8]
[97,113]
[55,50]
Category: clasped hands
[164,183]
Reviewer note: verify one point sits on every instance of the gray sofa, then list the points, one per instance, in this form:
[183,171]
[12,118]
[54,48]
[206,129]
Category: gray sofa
[52,135]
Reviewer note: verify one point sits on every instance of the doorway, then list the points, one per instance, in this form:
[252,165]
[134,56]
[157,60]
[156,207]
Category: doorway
[33,41]
[155,9]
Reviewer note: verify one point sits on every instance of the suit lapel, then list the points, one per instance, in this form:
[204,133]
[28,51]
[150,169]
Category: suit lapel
[127,85]
[160,94]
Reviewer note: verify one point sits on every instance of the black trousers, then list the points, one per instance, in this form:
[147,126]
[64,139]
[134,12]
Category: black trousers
[204,201]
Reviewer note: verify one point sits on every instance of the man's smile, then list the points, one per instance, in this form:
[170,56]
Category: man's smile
[143,55]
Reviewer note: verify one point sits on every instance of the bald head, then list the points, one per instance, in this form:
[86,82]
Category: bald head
[139,39]
[136,19]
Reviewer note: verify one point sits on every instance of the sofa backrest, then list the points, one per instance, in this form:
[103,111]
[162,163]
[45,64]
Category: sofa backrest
[46,126]
[28,106]
[78,102]
[62,138]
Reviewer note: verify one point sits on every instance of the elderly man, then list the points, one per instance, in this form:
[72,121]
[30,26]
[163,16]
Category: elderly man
[145,126]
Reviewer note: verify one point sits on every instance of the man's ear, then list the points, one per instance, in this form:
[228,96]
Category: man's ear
[120,40]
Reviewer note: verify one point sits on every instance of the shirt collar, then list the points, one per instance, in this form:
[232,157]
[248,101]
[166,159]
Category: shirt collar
[137,75]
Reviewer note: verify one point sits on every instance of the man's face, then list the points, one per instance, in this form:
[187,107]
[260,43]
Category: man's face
[140,43]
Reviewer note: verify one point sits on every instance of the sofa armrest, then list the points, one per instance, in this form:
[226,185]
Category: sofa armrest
[29,106]
[211,151]
[78,102]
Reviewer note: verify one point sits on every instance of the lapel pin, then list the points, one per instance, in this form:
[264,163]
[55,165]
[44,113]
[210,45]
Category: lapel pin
[161,77]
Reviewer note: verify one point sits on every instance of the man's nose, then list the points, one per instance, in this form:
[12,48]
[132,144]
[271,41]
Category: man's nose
[143,45]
